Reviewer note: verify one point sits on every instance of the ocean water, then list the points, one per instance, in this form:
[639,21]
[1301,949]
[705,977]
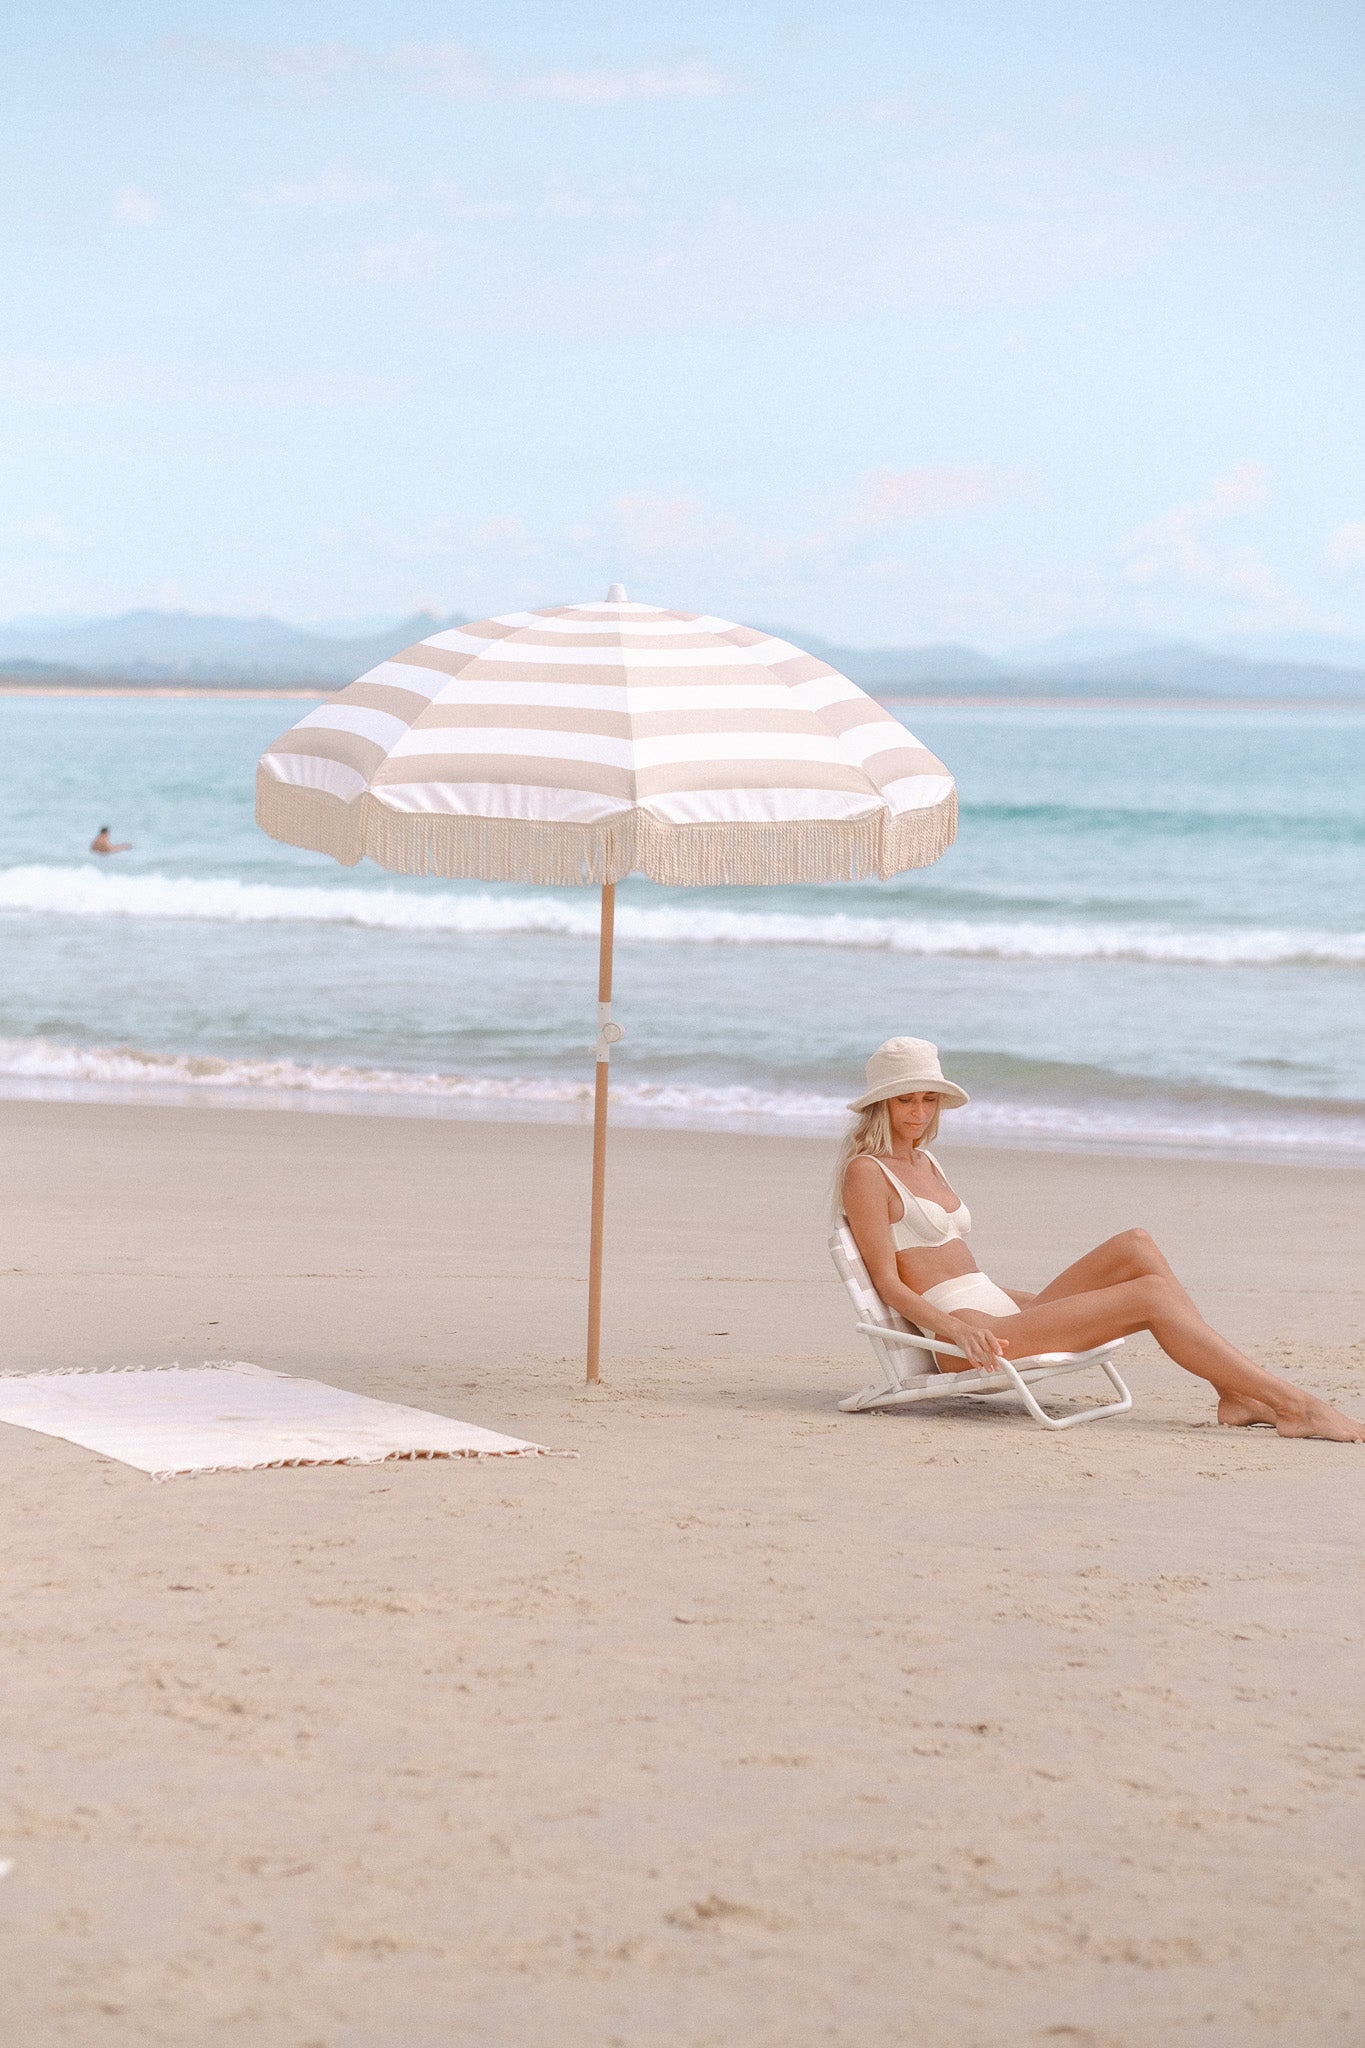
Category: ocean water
[1150,936]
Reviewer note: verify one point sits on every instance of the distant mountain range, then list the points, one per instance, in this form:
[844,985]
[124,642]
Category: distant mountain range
[181,647]
[1146,668]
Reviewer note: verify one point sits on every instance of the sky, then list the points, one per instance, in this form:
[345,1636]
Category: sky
[973,320]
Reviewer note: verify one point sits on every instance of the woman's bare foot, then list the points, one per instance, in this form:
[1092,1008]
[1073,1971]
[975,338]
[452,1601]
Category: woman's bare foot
[1320,1419]
[1236,1412]
[1300,1416]
[1306,1416]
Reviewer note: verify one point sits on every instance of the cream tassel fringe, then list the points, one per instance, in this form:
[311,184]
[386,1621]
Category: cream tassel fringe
[680,856]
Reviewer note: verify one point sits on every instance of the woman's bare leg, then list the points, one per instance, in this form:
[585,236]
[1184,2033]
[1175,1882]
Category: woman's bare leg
[1132,1255]
[1246,1392]
[1136,1255]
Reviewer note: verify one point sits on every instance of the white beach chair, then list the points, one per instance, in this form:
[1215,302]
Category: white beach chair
[897,1344]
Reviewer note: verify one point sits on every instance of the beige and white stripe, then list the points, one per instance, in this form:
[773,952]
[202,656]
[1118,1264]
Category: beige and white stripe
[587,742]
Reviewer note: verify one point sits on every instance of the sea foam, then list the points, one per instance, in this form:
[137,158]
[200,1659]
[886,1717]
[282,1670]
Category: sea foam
[85,893]
[43,1069]
[51,1067]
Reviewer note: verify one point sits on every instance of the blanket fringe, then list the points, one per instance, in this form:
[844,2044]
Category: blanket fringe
[384,1458]
[61,1372]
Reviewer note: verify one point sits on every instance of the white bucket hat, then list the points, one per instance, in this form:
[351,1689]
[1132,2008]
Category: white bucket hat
[908,1066]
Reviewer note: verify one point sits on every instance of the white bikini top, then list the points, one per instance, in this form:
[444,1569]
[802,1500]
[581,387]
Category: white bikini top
[925,1224]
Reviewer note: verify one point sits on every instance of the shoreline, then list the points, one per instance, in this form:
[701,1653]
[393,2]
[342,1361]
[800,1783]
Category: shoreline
[211,690]
[927,700]
[1255,1149]
[1127,703]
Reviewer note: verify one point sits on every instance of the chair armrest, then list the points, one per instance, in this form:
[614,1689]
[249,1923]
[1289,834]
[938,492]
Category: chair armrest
[1096,1354]
[890,1336]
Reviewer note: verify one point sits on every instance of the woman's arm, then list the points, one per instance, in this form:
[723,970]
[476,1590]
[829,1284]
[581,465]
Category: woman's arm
[867,1205]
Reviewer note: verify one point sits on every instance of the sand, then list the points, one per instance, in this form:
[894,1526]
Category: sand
[753,1726]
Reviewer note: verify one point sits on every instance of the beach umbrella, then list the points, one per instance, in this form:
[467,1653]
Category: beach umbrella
[586,742]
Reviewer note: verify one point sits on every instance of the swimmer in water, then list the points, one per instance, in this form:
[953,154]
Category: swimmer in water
[102,843]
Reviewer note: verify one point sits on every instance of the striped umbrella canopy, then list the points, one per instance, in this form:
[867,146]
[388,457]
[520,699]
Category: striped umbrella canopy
[586,742]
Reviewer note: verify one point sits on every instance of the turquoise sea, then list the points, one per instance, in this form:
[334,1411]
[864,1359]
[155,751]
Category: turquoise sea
[1150,935]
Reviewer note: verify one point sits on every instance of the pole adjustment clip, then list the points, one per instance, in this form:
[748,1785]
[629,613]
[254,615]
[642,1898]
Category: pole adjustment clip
[609,1033]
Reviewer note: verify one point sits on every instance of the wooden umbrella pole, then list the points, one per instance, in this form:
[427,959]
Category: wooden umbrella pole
[608,1034]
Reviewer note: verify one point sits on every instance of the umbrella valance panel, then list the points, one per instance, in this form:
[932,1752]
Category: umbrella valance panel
[587,742]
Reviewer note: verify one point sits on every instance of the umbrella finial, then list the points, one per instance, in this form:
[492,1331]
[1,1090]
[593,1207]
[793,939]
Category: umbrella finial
[617,594]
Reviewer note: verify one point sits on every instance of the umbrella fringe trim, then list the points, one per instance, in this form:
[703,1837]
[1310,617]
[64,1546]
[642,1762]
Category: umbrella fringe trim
[551,853]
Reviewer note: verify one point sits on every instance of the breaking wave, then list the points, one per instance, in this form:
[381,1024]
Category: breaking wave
[43,1062]
[80,892]
[39,1068]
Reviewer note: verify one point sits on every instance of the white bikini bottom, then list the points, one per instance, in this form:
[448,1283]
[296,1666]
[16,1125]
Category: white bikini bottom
[971,1290]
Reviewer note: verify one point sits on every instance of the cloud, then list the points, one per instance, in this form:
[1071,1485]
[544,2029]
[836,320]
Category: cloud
[695,80]
[1246,573]
[446,68]
[438,538]
[453,71]
[134,208]
[661,528]
[664,526]
[314,65]
[1176,546]
[1346,548]
[890,497]
[404,261]
[564,202]
[1183,549]
[911,109]
[333,189]
[47,533]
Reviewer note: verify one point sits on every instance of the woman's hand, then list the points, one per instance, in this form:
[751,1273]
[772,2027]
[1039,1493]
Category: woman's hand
[983,1348]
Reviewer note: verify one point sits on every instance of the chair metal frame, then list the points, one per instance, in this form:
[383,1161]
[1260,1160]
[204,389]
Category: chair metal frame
[892,1339]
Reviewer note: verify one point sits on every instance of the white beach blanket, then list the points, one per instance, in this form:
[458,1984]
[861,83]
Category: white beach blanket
[175,1420]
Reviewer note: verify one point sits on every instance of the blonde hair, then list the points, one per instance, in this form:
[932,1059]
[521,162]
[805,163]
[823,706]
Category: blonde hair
[871,1135]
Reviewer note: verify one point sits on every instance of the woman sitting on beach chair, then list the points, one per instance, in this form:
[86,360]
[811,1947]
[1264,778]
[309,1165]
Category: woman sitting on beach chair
[911,1228]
